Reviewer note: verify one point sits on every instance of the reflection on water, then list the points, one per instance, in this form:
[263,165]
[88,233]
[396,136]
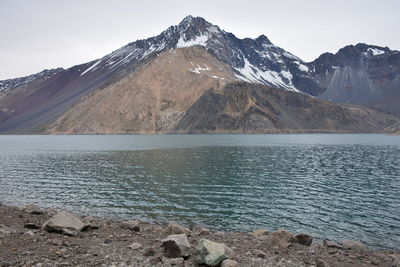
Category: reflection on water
[337,191]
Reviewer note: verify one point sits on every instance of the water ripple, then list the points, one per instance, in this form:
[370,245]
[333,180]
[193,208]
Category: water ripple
[330,190]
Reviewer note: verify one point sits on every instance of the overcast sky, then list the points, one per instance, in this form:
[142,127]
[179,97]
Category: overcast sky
[40,34]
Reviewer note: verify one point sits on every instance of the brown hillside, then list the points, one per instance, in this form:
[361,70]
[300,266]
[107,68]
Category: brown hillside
[151,100]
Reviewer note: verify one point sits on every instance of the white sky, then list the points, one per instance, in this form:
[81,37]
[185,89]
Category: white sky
[43,34]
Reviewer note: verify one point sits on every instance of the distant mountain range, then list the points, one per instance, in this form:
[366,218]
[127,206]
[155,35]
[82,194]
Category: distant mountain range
[195,77]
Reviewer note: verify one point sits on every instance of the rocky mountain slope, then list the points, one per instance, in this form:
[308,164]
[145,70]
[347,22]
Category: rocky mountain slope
[360,74]
[243,107]
[154,85]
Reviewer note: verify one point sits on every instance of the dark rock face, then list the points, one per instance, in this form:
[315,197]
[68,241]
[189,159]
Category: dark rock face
[243,107]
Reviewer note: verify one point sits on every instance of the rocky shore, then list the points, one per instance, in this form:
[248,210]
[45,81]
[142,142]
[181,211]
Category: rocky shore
[31,236]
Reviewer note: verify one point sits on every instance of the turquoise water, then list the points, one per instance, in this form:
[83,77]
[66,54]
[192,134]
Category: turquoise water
[331,186]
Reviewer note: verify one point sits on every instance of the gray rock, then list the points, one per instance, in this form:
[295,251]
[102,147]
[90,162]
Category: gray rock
[279,239]
[303,239]
[260,233]
[174,229]
[135,246]
[30,233]
[199,230]
[332,244]
[260,254]
[229,263]
[176,246]
[131,225]
[64,222]
[211,253]
[353,245]
[33,209]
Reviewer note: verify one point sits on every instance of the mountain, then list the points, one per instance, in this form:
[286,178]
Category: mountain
[164,83]
[361,74]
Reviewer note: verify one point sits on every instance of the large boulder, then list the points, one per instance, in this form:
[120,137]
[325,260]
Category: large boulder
[64,222]
[211,253]
[174,229]
[176,246]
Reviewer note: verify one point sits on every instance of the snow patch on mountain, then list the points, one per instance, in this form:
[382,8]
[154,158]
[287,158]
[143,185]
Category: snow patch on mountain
[301,66]
[291,56]
[376,51]
[216,77]
[252,74]
[199,40]
[199,69]
[92,67]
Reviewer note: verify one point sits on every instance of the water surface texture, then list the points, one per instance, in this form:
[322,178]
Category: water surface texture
[331,186]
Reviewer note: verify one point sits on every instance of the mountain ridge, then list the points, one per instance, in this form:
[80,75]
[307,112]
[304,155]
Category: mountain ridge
[250,60]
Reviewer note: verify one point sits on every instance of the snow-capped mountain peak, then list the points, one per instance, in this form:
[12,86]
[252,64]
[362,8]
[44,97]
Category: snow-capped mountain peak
[255,60]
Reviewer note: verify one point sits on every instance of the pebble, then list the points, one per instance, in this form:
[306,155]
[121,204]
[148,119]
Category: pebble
[135,246]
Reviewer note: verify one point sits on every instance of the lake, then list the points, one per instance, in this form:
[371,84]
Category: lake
[336,186]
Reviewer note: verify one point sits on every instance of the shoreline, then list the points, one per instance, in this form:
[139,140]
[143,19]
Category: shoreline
[293,132]
[30,236]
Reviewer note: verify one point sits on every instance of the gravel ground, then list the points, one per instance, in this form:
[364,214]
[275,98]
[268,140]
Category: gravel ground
[107,243]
